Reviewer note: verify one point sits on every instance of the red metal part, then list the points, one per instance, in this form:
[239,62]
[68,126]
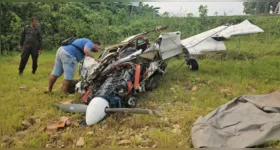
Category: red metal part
[130,86]
[137,76]
[146,73]
[84,97]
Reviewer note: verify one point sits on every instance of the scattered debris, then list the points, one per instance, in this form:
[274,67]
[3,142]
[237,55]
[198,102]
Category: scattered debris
[209,82]
[164,120]
[6,139]
[6,142]
[146,142]
[80,142]
[38,121]
[53,126]
[67,102]
[23,87]
[68,123]
[194,88]
[34,89]
[62,122]
[123,137]
[31,121]
[124,142]
[180,144]
[25,124]
[146,128]
[21,133]
[82,123]
[62,146]
[176,129]
[188,86]
[54,136]
[251,89]
[138,139]
[176,126]
[75,124]
[166,129]
[49,146]
[90,133]
[226,90]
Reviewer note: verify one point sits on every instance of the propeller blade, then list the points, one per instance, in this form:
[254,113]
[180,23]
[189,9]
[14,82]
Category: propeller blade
[134,111]
[73,108]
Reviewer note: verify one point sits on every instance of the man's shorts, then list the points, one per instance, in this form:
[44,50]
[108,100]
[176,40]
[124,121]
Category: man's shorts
[64,63]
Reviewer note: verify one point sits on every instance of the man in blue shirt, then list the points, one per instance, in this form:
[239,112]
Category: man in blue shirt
[67,58]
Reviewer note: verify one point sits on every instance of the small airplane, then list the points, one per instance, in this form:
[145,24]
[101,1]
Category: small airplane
[203,43]
[112,84]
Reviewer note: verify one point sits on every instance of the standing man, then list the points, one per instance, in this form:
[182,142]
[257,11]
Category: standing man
[30,43]
[67,58]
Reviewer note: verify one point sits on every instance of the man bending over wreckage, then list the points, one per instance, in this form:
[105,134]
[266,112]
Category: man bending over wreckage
[66,59]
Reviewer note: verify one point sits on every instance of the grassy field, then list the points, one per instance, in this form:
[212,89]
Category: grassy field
[248,67]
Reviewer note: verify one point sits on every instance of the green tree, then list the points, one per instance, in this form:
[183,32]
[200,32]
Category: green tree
[203,10]
[216,14]
[189,14]
[165,14]
[259,7]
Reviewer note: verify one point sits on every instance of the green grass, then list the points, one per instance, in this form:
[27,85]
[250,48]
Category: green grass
[251,67]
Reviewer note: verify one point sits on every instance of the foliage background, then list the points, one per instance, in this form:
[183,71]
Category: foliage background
[111,22]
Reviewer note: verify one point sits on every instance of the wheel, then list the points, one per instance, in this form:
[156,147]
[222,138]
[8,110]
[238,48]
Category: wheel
[193,65]
[152,84]
[163,66]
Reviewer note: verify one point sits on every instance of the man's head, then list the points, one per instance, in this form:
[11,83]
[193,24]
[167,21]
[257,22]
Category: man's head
[34,21]
[97,45]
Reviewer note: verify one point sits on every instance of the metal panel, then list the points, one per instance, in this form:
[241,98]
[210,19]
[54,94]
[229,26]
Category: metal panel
[170,44]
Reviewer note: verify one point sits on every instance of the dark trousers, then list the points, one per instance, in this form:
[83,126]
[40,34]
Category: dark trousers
[26,52]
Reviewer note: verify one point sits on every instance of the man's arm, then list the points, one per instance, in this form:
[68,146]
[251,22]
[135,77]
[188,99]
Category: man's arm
[87,51]
[40,40]
[21,40]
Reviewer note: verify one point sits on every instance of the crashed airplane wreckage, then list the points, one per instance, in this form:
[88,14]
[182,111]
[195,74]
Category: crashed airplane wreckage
[135,65]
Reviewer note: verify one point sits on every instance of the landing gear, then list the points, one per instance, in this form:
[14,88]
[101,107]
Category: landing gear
[191,62]
[152,84]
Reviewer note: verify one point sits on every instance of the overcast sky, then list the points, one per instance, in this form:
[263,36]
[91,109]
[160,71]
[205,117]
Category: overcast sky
[182,8]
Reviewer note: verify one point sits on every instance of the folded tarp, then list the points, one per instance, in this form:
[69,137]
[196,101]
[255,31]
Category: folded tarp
[246,121]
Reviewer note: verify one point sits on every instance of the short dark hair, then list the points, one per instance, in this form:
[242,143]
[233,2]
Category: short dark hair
[33,18]
[97,42]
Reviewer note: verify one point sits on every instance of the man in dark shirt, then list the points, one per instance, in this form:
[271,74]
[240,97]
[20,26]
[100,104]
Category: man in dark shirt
[30,44]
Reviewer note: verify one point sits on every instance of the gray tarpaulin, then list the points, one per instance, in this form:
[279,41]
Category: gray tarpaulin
[245,121]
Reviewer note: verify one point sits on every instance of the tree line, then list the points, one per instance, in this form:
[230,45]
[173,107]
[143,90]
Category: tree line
[103,21]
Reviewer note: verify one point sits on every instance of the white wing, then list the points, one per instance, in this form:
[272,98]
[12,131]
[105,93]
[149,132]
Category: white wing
[244,27]
[204,42]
